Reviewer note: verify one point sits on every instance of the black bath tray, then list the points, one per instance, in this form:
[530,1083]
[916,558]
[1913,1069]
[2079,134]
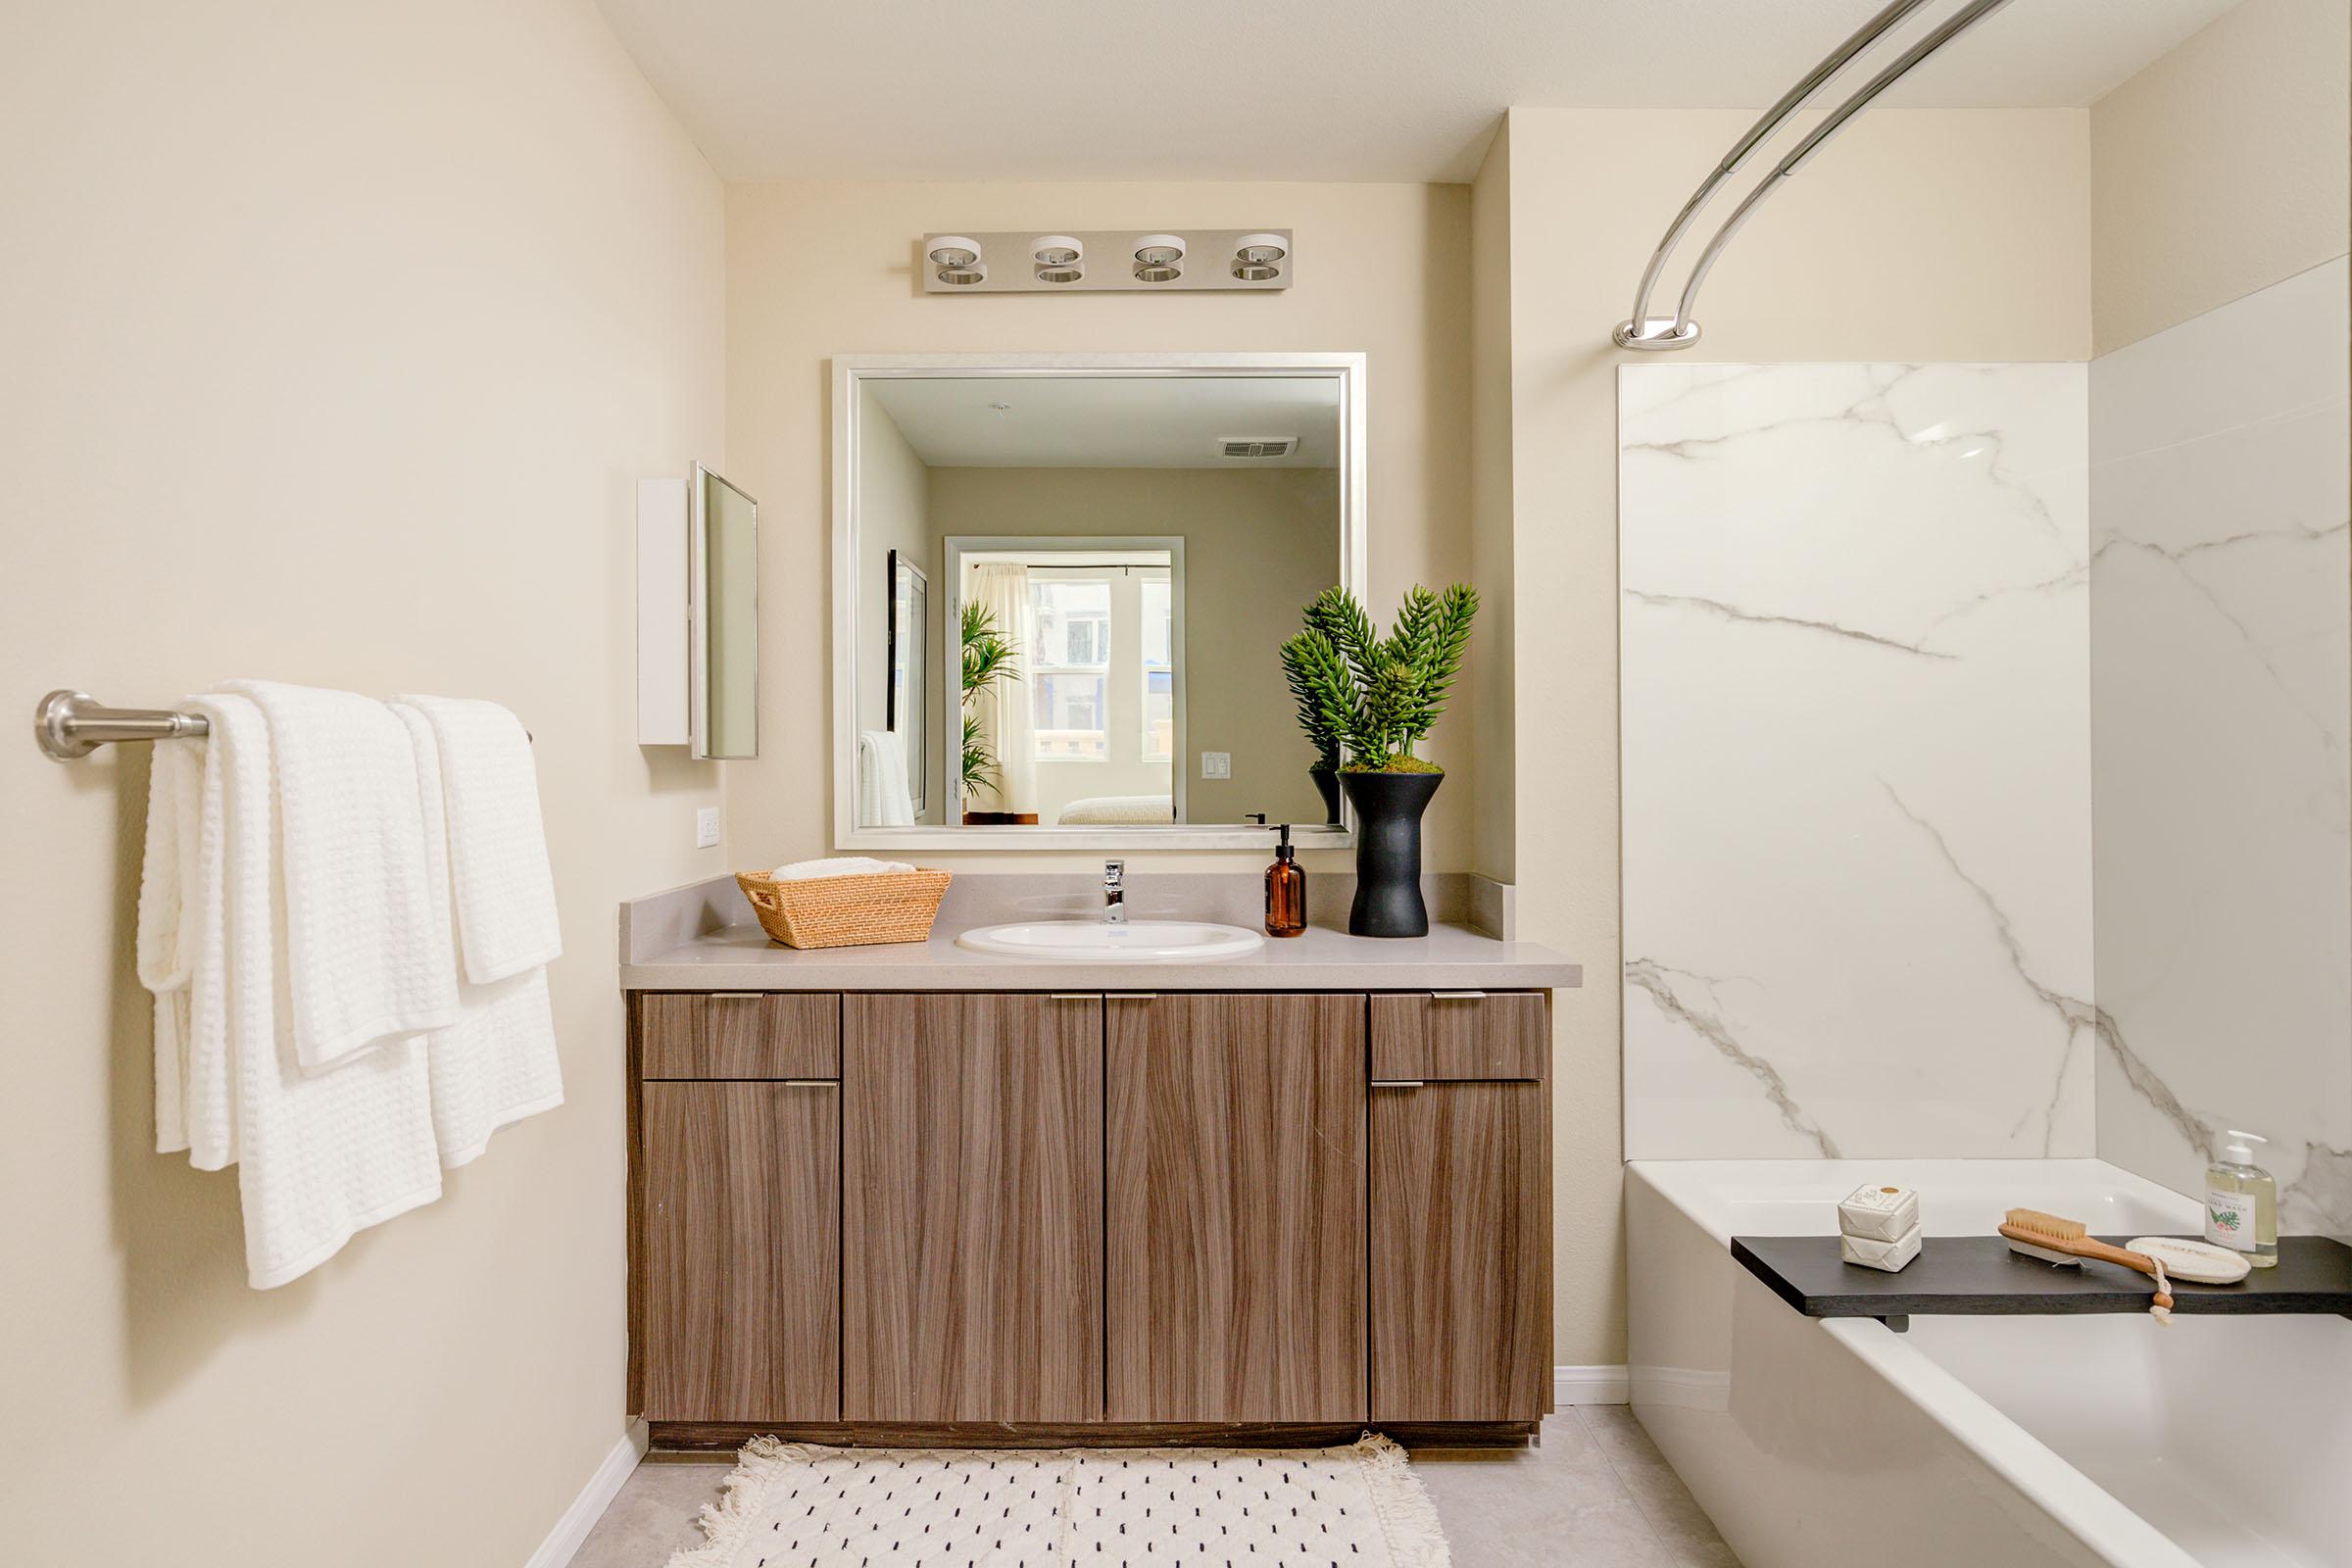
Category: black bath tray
[1979,1276]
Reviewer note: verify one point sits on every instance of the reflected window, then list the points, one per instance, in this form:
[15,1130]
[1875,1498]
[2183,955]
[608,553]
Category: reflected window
[1159,671]
[1072,673]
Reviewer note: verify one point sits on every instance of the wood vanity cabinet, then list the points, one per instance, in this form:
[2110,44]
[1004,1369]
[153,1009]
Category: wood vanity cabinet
[1236,1153]
[972,1208]
[1015,1217]
[739,1264]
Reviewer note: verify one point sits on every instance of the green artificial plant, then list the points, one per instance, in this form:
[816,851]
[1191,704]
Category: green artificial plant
[989,657]
[1376,697]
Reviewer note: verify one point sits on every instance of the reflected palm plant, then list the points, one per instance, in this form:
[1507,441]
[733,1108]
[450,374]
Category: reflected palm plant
[989,657]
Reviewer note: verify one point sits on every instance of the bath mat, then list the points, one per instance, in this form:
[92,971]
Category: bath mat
[796,1506]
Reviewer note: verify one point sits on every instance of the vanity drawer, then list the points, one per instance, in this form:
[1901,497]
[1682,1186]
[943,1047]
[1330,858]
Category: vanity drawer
[1439,1035]
[732,1034]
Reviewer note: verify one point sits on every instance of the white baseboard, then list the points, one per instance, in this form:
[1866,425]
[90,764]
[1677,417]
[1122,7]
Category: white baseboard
[557,1550]
[1590,1385]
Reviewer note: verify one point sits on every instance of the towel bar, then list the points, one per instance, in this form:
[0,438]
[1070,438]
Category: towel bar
[71,724]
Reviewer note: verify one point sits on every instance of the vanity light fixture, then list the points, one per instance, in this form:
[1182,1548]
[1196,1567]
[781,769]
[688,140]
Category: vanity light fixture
[1061,258]
[1106,261]
[1159,259]
[958,259]
[1257,258]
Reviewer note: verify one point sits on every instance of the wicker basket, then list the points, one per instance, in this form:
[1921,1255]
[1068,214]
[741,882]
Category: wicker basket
[846,911]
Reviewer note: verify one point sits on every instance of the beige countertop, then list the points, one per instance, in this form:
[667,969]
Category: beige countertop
[702,938]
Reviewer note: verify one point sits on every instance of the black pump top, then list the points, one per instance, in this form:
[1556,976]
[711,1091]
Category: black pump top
[1282,849]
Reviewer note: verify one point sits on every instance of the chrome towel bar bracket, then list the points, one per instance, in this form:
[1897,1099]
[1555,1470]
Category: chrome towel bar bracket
[71,724]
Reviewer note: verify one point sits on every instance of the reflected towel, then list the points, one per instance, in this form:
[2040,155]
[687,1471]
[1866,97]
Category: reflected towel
[883,797]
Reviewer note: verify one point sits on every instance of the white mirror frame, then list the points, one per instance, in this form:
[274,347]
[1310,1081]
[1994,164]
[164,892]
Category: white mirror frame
[851,579]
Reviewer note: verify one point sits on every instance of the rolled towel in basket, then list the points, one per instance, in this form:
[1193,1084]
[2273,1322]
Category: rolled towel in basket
[838,865]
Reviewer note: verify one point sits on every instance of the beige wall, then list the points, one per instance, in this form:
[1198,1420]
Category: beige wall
[1257,546]
[2223,167]
[337,337]
[1492,666]
[1860,257]
[819,270]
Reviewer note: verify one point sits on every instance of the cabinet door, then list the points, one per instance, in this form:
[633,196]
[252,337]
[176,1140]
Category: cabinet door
[740,1249]
[1235,1226]
[972,1152]
[1461,1249]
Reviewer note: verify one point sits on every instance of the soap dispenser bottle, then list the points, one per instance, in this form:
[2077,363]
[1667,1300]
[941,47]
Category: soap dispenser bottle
[2241,1203]
[1285,890]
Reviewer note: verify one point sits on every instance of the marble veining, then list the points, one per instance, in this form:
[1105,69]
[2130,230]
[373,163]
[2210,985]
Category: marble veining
[2222,719]
[1856,775]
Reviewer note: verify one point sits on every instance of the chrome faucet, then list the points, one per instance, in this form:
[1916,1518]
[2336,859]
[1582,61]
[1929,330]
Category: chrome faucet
[1114,891]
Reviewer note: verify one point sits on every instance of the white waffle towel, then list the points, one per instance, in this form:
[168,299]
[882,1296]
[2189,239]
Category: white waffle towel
[498,865]
[497,1062]
[368,947]
[320,1156]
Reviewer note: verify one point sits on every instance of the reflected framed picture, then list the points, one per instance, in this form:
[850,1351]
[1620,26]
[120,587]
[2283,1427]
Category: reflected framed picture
[908,698]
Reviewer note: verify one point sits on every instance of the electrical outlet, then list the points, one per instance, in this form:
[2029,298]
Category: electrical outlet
[705,828]
[1216,764]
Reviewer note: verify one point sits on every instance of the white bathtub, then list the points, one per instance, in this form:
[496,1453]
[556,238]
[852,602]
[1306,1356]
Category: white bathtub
[1975,1442]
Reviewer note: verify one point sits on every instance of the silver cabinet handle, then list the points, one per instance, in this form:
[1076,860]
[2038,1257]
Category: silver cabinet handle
[809,1083]
[1457,996]
[734,995]
[1130,995]
[1073,996]
[1398,1083]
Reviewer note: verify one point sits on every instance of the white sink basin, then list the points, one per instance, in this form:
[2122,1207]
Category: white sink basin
[1135,942]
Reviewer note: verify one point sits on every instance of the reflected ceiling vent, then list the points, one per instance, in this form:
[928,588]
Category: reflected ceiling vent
[1257,446]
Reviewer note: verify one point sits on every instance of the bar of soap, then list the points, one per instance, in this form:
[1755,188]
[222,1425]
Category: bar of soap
[1879,1214]
[1870,1252]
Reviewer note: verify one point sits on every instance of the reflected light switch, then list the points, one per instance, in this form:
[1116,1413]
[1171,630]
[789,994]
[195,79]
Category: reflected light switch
[1216,764]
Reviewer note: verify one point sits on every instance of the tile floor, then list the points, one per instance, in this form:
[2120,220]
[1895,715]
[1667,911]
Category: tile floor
[1596,1495]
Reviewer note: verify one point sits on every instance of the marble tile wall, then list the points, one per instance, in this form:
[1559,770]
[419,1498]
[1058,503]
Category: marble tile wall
[2220,706]
[1856,769]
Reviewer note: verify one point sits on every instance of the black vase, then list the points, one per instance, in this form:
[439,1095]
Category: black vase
[1327,785]
[1388,852]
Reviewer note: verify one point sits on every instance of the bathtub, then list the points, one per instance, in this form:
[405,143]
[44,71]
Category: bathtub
[2008,1441]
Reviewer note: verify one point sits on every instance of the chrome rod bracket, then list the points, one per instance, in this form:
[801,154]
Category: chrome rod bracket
[71,724]
[1659,334]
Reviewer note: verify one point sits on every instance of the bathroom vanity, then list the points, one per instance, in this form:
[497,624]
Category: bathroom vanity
[914,1194]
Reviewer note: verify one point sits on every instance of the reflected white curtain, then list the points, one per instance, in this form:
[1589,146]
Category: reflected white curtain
[1006,707]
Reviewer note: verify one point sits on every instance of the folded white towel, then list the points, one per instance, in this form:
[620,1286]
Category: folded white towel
[166,937]
[837,866]
[367,949]
[497,1062]
[883,798]
[320,1156]
[499,871]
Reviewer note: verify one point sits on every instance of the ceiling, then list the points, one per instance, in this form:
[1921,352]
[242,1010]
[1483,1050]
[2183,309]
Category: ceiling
[1126,422]
[1285,89]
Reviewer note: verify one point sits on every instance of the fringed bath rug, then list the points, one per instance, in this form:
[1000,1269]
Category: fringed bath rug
[791,1505]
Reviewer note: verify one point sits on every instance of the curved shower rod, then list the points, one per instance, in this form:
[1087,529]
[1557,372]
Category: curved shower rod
[1651,333]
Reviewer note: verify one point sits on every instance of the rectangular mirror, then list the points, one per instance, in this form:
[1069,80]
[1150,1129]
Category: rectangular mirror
[1120,545]
[722,585]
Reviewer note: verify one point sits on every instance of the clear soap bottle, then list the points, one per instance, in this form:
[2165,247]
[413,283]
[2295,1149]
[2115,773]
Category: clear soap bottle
[2241,1203]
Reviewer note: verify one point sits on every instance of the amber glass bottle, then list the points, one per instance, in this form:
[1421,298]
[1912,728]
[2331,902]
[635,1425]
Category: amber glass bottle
[1286,890]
